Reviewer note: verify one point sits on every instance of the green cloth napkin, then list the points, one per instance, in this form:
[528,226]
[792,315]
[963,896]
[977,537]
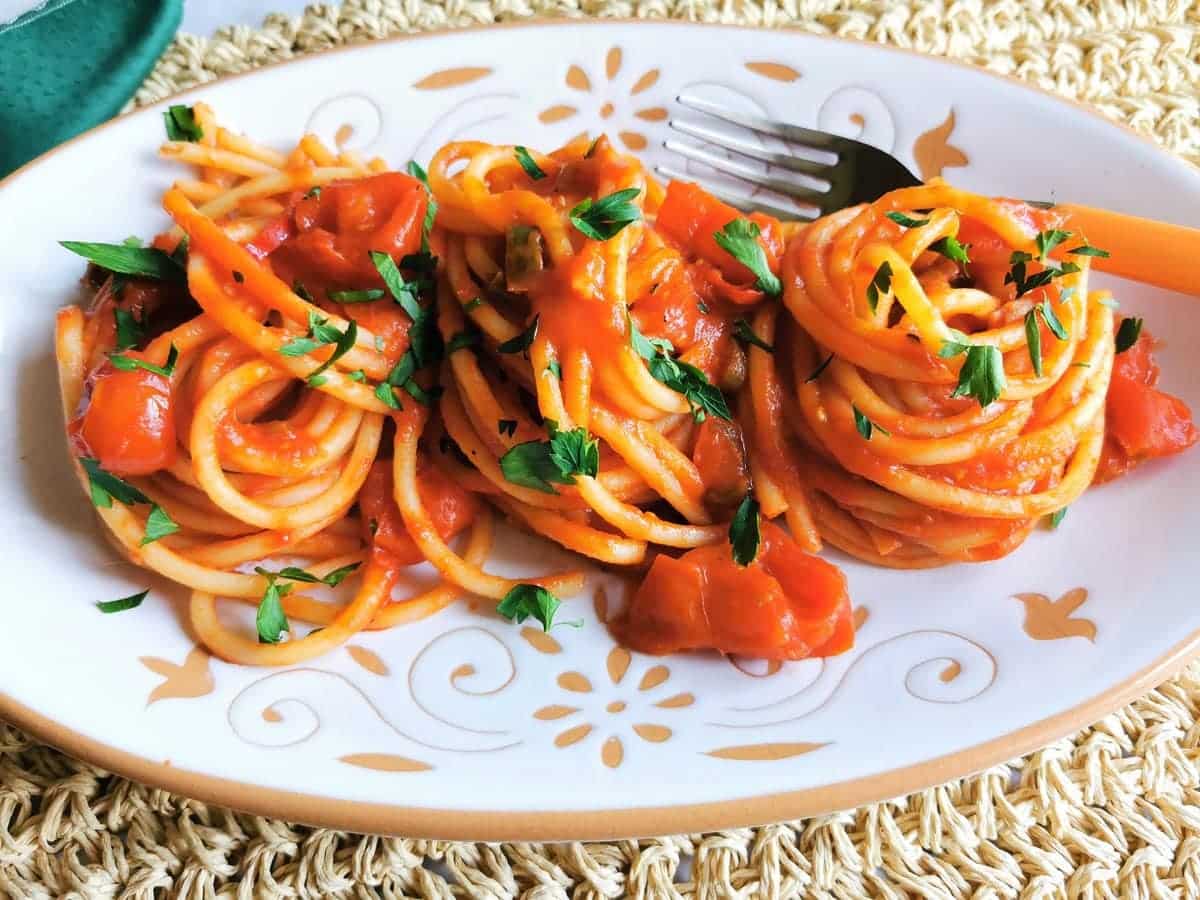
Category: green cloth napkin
[72,64]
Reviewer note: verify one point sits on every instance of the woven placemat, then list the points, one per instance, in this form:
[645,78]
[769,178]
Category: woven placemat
[1113,811]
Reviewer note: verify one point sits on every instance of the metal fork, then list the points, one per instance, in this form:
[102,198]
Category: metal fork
[837,172]
[852,172]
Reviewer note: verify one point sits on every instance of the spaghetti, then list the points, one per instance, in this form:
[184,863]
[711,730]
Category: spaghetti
[330,361]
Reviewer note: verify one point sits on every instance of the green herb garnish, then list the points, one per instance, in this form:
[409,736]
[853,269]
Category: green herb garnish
[356,296]
[950,248]
[129,363]
[141,262]
[158,525]
[744,333]
[532,600]
[532,169]
[740,240]
[521,342]
[534,464]
[865,426]
[703,397]
[816,373]
[106,487]
[744,534]
[907,221]
[129,329]
[881,283]
[604,218]
[133,601]
[1128,333]
[982,373]
[181,124]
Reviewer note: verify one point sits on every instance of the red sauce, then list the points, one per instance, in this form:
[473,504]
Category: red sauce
[1141,422]
[127,422]
[325,240]
[450,508]
[787,604]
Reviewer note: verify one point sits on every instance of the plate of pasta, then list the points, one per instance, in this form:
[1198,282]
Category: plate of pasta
[373,436]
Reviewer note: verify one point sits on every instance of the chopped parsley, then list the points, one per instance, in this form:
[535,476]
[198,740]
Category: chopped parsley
[133,601]
[431,208]
[1033,332]
[950,248]
[740,240]
[535,464]
[881,283]
[604,218]
[1128,333]
[356,296]
[744,534]
[865,426]
[1048,240]
[473,304]
[521,342]
[106,487]
[461,341]
[129,329]
[141,262]
[532,600]
[703,397]
[816,373]
[1089,250]
[554,368]
[158,525]
[982,373]
[532,169]
[906,221]
[181,124]
[744,333]
[129,363]
[1055,518]
[1025,282]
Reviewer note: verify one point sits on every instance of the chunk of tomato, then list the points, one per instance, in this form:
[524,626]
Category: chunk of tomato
[787,604]
[127,422]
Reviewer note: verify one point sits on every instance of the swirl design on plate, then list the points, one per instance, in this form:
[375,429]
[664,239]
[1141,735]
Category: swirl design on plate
[950,668]
[347,121]
[858,113]
[474,663]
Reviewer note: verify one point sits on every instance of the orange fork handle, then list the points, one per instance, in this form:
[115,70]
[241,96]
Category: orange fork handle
[1157,253]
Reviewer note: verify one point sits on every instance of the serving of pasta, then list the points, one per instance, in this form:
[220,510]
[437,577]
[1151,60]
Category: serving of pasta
[357,368]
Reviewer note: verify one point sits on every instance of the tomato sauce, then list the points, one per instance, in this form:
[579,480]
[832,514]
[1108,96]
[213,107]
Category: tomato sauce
[451,509]
[324,240]
[787,604]
[1141,421]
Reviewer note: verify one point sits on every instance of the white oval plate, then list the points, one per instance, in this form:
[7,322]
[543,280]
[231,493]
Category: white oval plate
[466,727]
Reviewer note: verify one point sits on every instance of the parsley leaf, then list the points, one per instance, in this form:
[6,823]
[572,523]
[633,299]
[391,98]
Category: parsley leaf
[431,208]
[474,303]
[387,395]
[906,221]
[1128,333]
[133,601]
[158,525]
[703,397]
[142,262]
[313,192]
[107,487]
[744,333]
[356,296]
[816,373]
[604,218]
[292,573]
[508,426]
[1026,283]
[554,368]
[403,292]
[129,363]
[740,240]
[865,426]
[129,329]
[534,464]
[526,600]
[461,341]
[532,169]
[744,534]
[1033,338]
[1033,334]
[1056,517]
[181,124]
[982,373]
[1089,250]
[881,283]
[345,343]
[521,342]
[270,621]
[1048,240]
[950,248]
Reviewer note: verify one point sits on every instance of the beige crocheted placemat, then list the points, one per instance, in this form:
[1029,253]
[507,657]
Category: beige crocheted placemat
[1113,811]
